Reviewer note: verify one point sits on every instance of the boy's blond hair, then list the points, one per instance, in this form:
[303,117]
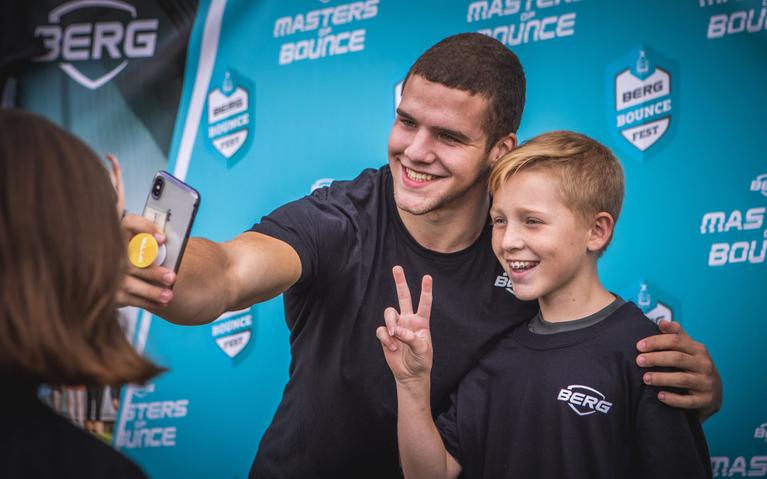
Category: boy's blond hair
[591,178]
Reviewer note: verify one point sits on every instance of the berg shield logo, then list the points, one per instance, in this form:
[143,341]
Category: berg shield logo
[93,53]
[643,296]
[230,117]
[641,100]
[761,432]
[760,184]
[584,400]
[232,331]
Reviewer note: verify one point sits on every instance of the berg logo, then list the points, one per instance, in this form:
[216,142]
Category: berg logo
[760,184]
[232,331]
[398,95]
[321,183]
[584,400]
[93,53]
[503,281]
[761,432]
[642,295]
[231,117]
[641,100]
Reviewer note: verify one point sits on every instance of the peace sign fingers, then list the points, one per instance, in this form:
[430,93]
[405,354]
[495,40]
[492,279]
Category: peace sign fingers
[403,292]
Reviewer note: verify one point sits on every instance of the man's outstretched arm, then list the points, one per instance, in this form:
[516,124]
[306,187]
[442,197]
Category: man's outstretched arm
[213,277]
[698,374]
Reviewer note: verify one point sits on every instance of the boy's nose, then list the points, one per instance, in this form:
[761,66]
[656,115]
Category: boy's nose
[512,241]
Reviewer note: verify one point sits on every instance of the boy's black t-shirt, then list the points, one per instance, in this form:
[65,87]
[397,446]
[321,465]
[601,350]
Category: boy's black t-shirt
[337,417]
[571,405]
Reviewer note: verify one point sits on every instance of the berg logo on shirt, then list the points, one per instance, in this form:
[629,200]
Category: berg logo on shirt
[584,400]
[503,281]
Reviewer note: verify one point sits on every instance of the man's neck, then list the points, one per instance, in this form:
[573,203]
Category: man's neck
[449,229]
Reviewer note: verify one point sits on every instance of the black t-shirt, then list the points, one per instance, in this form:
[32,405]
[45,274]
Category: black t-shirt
[571,404]
[337,417]
[38,443]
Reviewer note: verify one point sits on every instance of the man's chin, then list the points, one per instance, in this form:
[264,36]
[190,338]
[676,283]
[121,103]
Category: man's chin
[415,209]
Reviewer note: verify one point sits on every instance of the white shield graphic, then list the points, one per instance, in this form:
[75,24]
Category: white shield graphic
[232,331]
[638,95]
[228,119]
[103,32]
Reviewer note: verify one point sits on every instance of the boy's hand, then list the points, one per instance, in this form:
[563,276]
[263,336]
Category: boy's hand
[697,372]
[405,339]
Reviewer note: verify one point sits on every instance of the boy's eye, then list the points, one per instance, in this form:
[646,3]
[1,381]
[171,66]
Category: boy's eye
[533,221]
[498,221]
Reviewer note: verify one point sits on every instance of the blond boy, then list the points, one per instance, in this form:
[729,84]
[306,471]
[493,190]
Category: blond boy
[559,396]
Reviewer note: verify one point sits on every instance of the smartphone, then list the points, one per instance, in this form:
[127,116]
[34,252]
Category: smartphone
[172,205]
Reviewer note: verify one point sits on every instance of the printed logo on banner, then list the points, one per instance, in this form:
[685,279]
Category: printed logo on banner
[760,184]
[584,400]
[230,117]
[643,296]
[516,22]
[746,223]
[761,432]
[152,423]
[93,53]
[750,18]
[233,331]
[641,101]
[325,42]
[398,95]
[321,183]
[741,466]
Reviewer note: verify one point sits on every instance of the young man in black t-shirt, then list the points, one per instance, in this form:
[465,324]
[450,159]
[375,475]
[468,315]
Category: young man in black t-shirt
[559,395]
[330,254]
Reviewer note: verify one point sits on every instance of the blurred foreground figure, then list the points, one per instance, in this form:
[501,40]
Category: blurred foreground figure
[61,261]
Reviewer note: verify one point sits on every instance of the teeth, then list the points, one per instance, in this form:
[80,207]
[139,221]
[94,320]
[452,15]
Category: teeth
[418,176]
[522,265]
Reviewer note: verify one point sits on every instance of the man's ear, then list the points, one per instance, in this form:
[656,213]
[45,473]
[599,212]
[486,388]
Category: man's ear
[502,146]
[602,225]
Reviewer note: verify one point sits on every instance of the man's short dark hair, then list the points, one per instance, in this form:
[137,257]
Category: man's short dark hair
[482,65]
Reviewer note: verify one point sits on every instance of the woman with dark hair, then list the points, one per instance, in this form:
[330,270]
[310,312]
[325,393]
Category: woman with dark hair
[62,256]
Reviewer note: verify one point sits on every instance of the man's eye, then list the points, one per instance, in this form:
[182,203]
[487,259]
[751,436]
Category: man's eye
[407,122]
[447,137]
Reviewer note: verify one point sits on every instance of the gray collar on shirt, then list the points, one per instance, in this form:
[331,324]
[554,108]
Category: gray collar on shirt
[538,325]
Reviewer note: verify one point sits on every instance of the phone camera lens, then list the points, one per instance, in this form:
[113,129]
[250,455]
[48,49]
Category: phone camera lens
[157,188]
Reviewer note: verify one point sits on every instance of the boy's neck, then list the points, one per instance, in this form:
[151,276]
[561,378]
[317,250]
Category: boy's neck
[577,299]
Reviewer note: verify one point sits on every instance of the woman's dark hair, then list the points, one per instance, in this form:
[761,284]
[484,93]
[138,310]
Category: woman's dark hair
[62,258]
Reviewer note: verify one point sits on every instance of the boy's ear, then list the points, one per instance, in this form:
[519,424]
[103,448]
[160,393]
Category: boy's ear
[601,231]
[501,147]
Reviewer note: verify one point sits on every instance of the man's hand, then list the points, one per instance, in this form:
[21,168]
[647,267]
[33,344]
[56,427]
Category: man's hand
[405,339]
[698,375]
[147,288]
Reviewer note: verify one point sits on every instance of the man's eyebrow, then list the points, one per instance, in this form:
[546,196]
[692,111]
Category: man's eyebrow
[462,137]
[402,112]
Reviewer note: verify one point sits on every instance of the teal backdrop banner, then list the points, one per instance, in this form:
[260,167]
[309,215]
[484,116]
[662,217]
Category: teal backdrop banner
[279,98]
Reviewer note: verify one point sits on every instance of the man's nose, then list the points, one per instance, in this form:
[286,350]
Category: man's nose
[420,148]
